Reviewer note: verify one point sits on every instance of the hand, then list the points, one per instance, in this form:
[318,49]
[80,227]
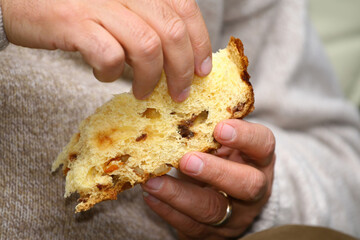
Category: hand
[243,168]
[150,35]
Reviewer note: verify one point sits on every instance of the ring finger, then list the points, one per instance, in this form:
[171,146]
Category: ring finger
[192,209]
[178,220]
[181,195]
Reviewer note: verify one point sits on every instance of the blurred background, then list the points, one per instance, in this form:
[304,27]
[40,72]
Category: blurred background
[338,25]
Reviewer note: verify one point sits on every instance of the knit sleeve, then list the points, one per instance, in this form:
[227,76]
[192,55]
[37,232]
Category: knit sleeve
[3,40]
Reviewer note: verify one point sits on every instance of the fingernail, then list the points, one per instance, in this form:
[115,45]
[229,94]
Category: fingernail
[184,94]
[227,132]
[194,165]
[150,197]
[155,183]
[206,66]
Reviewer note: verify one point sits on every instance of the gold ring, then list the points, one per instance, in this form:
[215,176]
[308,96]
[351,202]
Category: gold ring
[227,214]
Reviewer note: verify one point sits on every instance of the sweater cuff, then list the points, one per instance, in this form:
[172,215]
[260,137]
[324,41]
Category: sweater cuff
[3,40]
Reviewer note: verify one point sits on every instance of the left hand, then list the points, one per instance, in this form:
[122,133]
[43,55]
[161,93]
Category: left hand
[243,168]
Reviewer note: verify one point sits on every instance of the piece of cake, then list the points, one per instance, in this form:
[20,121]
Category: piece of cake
[127,141]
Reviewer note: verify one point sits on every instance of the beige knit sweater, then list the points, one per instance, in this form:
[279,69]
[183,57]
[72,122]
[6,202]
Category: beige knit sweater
[45,94]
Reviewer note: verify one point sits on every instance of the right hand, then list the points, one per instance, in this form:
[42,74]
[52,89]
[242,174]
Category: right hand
[150,35]
[243,168]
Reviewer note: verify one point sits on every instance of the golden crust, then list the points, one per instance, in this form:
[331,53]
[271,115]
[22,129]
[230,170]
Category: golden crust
[236,49]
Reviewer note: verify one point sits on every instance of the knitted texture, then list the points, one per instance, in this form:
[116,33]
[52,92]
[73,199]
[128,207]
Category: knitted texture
[3,40]
[41,106]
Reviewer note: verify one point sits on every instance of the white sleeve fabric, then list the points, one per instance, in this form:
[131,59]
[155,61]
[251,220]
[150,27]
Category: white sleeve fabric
[297,96]
[3,40]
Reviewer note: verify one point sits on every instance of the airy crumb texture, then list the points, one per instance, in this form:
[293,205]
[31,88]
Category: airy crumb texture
[127,141]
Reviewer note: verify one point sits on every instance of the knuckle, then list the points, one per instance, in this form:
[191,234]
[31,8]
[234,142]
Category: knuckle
[181,79]
[256,187]
[211,211]
[175,30]
[174,193]
[270,143]
[186,75]
[202,43]
[150,45]
[188,8]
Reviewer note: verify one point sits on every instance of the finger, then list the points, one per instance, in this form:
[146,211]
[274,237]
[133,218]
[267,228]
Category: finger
[183,196]
[190,13]
[184,202]
[240,181]
[230,154]
[223,152]
[100,49]
[187,227]
[186,178]
[176,44]
[252,139]
[142,45]
[178,220]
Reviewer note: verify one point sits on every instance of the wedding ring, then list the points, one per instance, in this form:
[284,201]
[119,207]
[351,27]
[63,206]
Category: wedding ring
[227,214]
